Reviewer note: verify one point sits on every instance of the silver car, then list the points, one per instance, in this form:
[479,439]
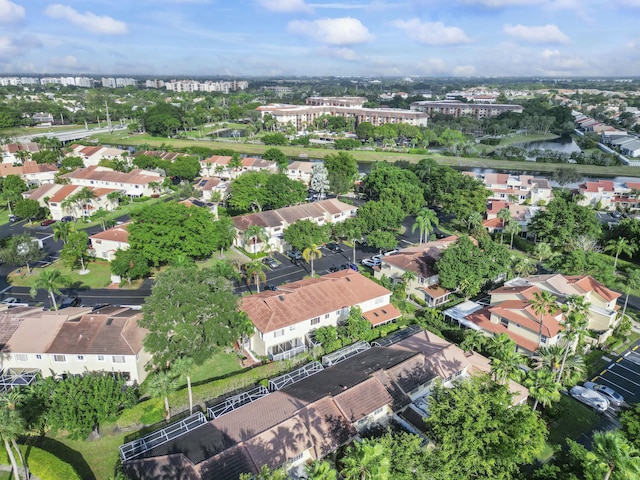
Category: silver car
[610,394]
[590,397]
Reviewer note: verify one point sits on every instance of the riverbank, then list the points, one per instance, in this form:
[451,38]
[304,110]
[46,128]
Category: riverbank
[363,156]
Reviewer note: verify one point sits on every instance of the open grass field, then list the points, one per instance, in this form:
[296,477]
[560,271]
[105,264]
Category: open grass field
[99,276]
[123,138]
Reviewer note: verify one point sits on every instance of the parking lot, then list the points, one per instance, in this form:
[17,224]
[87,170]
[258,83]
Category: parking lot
[623,375]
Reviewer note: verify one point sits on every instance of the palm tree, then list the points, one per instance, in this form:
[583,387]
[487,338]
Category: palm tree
[523,267]
[502,367]
[11,427]
[620,245]
[61,231]
[575,323]
[83,198]
[425,221]
[504,215]
[184,366]
[162,383]
[500,344]
[474,220]
[474,340]
[542,303]
[549,357]
[407,277]
[255,271]
[633,281]
[310,254]
[255,234]
[614,456]
[10,400]
[542,251]
[366,460]
[321,470]
[68,205]
[49,280]
[512,228]
[543,387]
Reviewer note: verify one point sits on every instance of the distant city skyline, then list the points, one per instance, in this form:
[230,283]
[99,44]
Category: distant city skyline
[557,38]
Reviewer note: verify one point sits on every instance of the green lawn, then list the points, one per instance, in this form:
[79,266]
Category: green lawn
[569,419]
[99,276]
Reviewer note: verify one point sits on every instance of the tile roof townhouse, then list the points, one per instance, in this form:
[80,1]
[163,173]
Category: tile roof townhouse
[609,195]
[56,198]
[73,341]
[300,170]
[212,186]
[31,172]
[517,188]
[421,261]
[105,244]
[510,310]
[310,418]
[220,166]
[283,319]
[10,155]
[275,222]
[519,213]
[136,183]
[91,155]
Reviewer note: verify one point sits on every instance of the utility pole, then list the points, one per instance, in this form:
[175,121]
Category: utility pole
[106,104]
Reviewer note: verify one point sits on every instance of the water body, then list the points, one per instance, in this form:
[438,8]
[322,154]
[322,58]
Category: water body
[561,144]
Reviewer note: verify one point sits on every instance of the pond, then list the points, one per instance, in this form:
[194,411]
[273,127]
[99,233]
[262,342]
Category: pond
[560,144]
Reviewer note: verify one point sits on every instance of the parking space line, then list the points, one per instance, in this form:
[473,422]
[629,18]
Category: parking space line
[633,357]
[626,378]
[617,387]
[635,347]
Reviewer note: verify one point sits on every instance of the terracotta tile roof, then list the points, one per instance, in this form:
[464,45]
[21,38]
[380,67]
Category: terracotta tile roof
[326,425]
[381,315]
[273,449]
[595,187]
[227,465]
[482,319]
[524,291]
[119,233]
[89,151]
[158,467]
[299,301]
[300,166]
[250,162]
[44,190]
[436,291]
[494,206]
[63,193]
[588,284]
[363,399]
[98,173]
[496,178]
[218,159]
[421,259]
[522,313]
[492,222]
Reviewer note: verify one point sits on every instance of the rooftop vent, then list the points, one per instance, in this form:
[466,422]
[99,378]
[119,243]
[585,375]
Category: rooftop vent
[281,297]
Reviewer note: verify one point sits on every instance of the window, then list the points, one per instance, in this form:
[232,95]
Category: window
[278,333]
[504,322]
[379,300]
[117,358]
[38,356]
[292,328]
[543,340]
[327,316]
[59,358]
[297,457]
[315,321]
[101,358]
[20,357]
[81,358]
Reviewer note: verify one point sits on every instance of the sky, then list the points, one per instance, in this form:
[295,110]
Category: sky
[281,38]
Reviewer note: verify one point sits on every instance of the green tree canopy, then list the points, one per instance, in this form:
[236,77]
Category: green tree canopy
[396,185]
[343,171]
[27,208]
[130,264]
[562,220]
[380,215]
[276,155]
[304,233]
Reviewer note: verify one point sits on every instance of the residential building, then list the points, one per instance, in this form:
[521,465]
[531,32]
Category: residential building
[517,188]
[105,244]
[283,319]
[519,213]
[598,194]
[55,197]
[32,173]
[275,222]
[136,183]
[73,341]
[300,170]
[420,261]
[92,155]
[212,186]
[12,153]
[220,166]
[316,408]
[460,109]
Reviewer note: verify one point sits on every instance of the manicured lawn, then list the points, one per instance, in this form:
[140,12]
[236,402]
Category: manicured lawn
[99,276]
[220,365]
[569,419]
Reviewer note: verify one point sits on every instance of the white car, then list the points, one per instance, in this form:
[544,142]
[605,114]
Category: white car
[590,397]
[10,300]
[371,262]
[610,394]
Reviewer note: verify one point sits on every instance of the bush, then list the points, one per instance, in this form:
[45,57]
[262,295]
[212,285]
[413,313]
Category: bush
[43,464]
[418,300]
[490,141]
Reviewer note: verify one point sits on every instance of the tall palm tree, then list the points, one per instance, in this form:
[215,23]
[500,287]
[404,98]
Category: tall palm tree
[61,231]
[255,234]
[49,280]
[162,383]
[425,222]
[502,367]
[183,366]
[523,267]
[618,246]
[407,277]
[11,427]
[614,456]
[255,271]
[83,198]
[504,215]
[512,228]
[542,251]
[543,387]
[633,281]
[474,220]
[366,460]
[500,344]
[310,254]
[474,340]
[542,303]
[575,324]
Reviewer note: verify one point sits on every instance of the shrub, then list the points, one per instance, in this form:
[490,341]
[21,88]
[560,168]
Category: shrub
[418,300]
[43,464]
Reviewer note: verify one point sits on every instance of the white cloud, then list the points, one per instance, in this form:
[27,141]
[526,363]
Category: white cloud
[69,61]
[503,3]
[11,47]
[11,12]
[87,21]
[431,33]
[285,6]
[332,31]
[537,34]
[464,71]
[342,53]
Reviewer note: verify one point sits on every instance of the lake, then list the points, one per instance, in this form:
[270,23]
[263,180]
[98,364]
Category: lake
[561,144]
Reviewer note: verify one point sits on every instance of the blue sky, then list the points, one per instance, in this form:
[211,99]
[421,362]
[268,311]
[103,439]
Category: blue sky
[317,37]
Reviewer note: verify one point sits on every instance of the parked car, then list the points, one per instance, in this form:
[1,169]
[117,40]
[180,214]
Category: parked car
[13,218]
[294,255]
[47,222]
[334,268]
[68,218]
[270,262]
[610,394]
[9,300]
[391,252]
[371,262]
[70,302]
[590,398]
[334,247]
[271,287]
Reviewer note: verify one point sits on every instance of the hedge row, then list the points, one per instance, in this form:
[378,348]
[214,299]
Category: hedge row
[43,464]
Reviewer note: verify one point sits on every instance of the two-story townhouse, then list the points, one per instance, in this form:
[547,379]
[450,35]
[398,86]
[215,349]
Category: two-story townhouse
[58,197]
[593,194]
[32,173]
[316,408]
[93,154]
[212,187]
[105,244]
[251,164]
[73,341]
[218,166]
[10,152]
[300,170]
[517,189]
[283,319]
[419,260]
[519,213]
[136,183]
[275,222]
